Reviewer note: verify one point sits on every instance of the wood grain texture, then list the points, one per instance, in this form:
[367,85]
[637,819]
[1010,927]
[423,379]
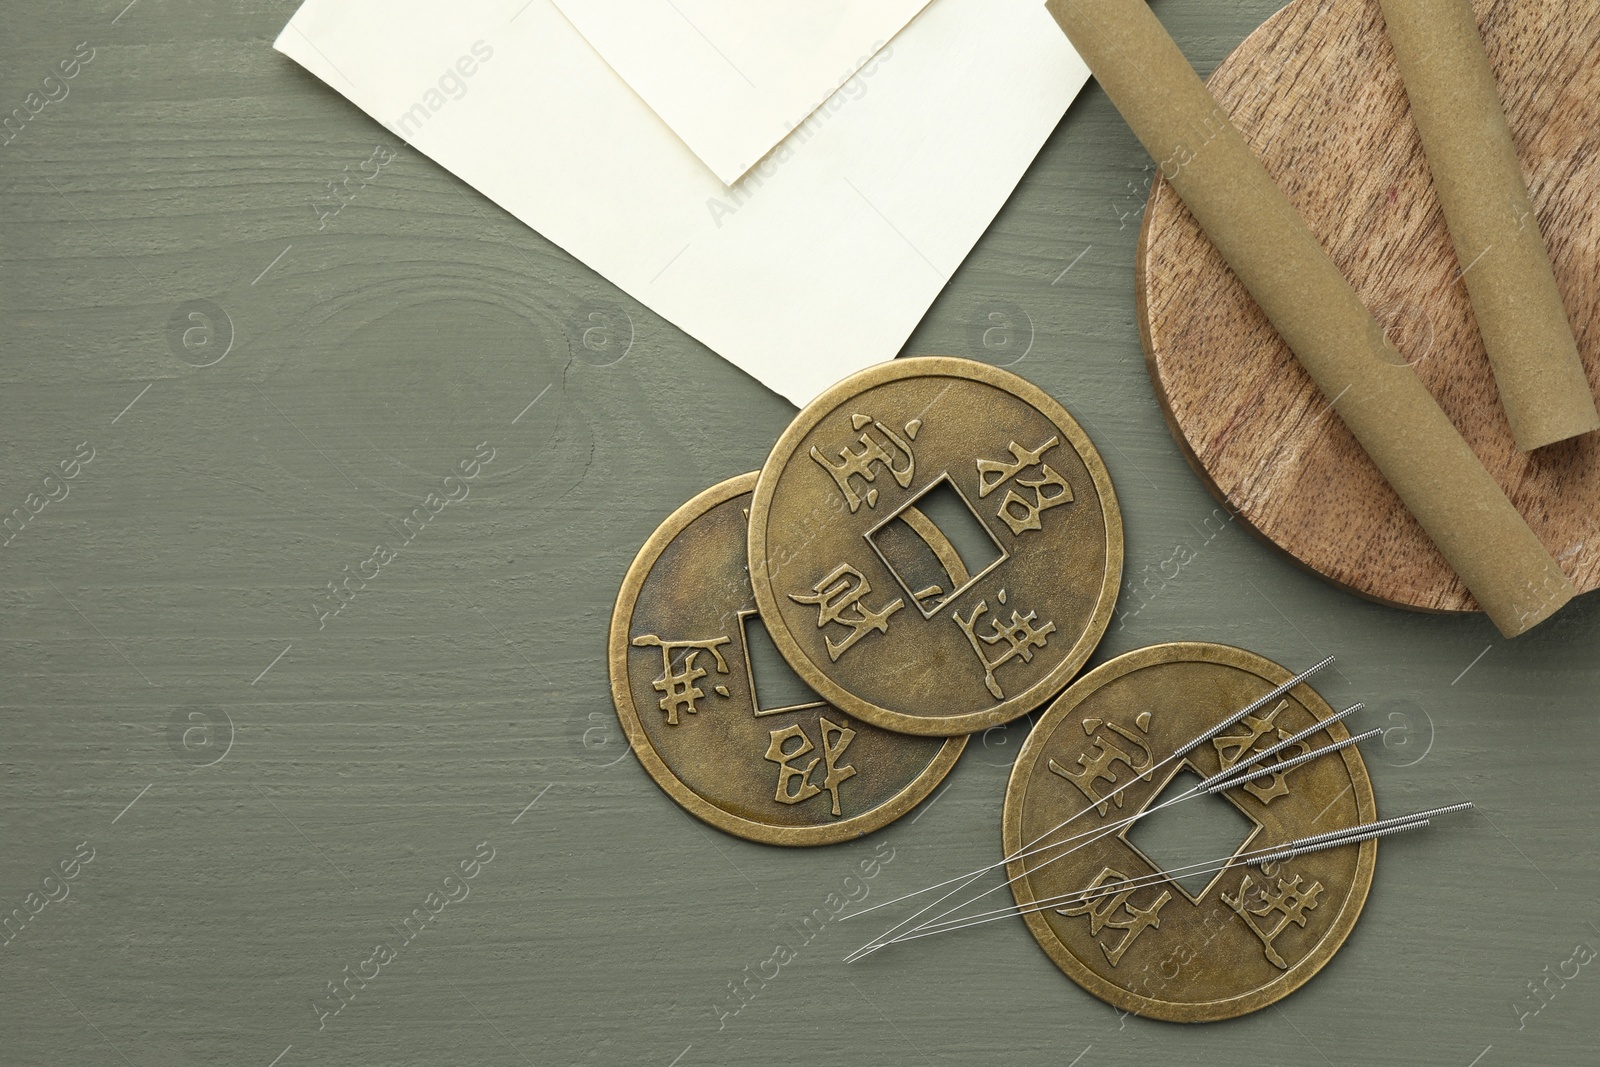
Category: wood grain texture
[374,755]
[1348,156]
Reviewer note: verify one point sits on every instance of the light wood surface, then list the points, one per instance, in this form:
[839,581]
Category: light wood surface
[1317,93]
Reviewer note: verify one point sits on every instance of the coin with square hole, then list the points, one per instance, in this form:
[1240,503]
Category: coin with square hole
[1164,915]
[935,546]
[717,717]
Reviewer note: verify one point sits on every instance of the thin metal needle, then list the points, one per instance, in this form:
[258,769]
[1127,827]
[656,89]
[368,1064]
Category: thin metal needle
[1253,707]
[1099,832]
[1284,766]
[973,876]
[1188,747]
[1252,858]
[1214,784]
[1216,865]
[1243,764]
[1222,780]
[965,881]
[1317,842]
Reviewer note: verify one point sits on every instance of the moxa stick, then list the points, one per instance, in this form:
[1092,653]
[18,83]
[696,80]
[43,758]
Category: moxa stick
[1503,257]
[1271,250]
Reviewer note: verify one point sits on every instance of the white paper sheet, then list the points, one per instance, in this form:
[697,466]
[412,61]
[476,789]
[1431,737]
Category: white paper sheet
[819,262]
[733,77]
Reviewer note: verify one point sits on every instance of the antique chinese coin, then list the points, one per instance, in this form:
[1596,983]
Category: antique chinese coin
[935,545]
[717,718]
[1183,942]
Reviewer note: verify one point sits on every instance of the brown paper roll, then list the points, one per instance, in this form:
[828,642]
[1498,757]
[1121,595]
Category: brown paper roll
[1479,183]
[1275,255]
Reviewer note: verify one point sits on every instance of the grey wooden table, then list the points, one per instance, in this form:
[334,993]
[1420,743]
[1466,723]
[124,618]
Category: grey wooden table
[251,791]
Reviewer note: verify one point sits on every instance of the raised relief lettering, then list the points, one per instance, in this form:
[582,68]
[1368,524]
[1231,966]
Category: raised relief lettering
[1290,900]
[1019,636]
[1098,761]
[1235,748]
[787,772]
[886,448]
[843,590]
[1049,489]
[1102,910]
[677,681]
[832,751]
[835,739]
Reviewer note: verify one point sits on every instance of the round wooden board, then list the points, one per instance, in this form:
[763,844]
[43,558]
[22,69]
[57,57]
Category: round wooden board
[1316,92]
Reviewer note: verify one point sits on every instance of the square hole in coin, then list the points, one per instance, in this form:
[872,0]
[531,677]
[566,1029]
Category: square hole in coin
[936,546]
[1201,830]
[774,687]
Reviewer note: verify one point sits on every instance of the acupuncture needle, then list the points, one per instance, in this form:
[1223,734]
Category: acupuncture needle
[1268,854]
[1214,784]
[1179,753]
[1217,865]
[1223,779]
[1252,858]
[960,882]
[1235,775]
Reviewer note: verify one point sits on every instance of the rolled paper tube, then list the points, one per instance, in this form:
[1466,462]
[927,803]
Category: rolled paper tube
[1271,250]
[1485,200]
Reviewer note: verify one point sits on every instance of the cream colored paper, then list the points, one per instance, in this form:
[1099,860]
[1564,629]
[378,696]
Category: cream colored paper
[732,77]
[819,262]
[1278,259]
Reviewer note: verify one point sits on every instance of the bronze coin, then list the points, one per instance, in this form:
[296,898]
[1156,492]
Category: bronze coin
[935,545]
[1199,945]
[733,736]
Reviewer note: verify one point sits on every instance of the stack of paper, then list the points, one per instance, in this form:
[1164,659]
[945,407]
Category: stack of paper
[733,78]
[819,259]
